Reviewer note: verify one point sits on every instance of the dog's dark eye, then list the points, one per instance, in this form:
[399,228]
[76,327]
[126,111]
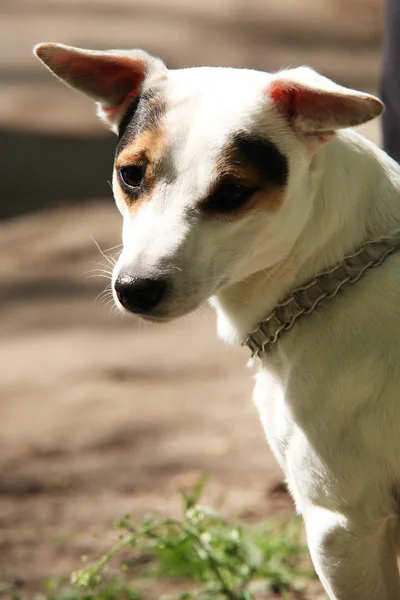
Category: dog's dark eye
[132,176]
[228,197]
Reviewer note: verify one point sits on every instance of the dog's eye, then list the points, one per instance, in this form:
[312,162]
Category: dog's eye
[132,176]
[228,197]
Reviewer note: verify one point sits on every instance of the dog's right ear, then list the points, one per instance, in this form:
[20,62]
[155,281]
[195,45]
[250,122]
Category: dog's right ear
[315,107]
[113,78]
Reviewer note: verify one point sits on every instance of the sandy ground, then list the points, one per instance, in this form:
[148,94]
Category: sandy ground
[97,416]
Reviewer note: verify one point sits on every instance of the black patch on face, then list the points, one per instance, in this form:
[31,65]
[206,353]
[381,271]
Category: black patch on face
[132,109]
[248,164]
[262,155]
[227,197]
[146,110]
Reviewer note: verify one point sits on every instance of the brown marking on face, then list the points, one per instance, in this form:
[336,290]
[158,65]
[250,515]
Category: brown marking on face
[147,151]
[145,112]
[270,199]
[255,165]
[142,144]
[266,198]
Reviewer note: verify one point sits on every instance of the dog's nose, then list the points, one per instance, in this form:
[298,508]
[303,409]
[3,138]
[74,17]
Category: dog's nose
[139,295]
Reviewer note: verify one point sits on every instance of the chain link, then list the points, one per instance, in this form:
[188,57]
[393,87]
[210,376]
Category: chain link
[268,331]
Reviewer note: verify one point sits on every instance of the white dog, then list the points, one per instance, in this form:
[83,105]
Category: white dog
[248,189]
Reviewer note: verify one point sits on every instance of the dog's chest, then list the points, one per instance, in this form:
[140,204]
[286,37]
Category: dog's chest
[279,426]
[325,419]
[307,474]
[275,415]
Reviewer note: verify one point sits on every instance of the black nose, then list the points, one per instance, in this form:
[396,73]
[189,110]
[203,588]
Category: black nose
[139,295]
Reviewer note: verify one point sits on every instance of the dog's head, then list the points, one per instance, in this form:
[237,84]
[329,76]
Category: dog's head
[212,169]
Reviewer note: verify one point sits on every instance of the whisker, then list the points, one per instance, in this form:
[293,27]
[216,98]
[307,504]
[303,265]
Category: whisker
[103,295]
[97,271]
[108,259]
[114,310]
[107,290]
[98,276]
[106,294]
[96,262]
[113,247]
[108,302]
[97,298]
[105,273]
[101,268]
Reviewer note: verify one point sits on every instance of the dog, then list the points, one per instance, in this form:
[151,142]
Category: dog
[251,190]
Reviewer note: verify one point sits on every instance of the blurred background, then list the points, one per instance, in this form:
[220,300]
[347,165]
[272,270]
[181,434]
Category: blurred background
[97,416]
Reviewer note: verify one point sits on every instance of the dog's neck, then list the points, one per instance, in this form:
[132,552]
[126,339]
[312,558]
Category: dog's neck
[356,192]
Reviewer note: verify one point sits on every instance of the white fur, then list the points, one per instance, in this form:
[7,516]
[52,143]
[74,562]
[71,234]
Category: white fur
[329,393]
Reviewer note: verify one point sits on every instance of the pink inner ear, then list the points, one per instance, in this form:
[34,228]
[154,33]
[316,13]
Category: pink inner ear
[317,109]
[285,96]
[312,105]
[110,79]
[112,111]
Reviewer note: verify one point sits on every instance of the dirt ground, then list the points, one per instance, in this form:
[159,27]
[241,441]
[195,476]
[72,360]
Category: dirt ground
[99,417]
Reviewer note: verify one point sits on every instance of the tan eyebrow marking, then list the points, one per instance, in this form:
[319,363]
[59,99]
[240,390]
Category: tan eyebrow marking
[148,145]
[147,150]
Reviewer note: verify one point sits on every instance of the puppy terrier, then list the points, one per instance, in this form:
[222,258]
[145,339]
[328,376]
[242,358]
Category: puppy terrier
[248,189]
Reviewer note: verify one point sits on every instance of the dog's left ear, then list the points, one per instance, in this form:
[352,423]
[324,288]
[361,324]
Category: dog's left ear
[316,107]
[113,78]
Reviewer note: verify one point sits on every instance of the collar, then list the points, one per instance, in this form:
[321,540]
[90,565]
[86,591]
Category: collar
[305,299]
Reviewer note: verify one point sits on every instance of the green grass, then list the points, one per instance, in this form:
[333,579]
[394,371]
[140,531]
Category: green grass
[203,555]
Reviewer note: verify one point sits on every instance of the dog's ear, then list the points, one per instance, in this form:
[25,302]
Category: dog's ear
[316,106]
[113,78]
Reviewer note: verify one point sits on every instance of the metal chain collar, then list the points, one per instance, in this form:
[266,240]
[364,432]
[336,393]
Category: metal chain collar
[305,299]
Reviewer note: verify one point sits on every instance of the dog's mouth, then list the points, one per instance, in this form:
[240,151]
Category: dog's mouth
[157,319]
[165,314]
[156,303]
[167,310]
